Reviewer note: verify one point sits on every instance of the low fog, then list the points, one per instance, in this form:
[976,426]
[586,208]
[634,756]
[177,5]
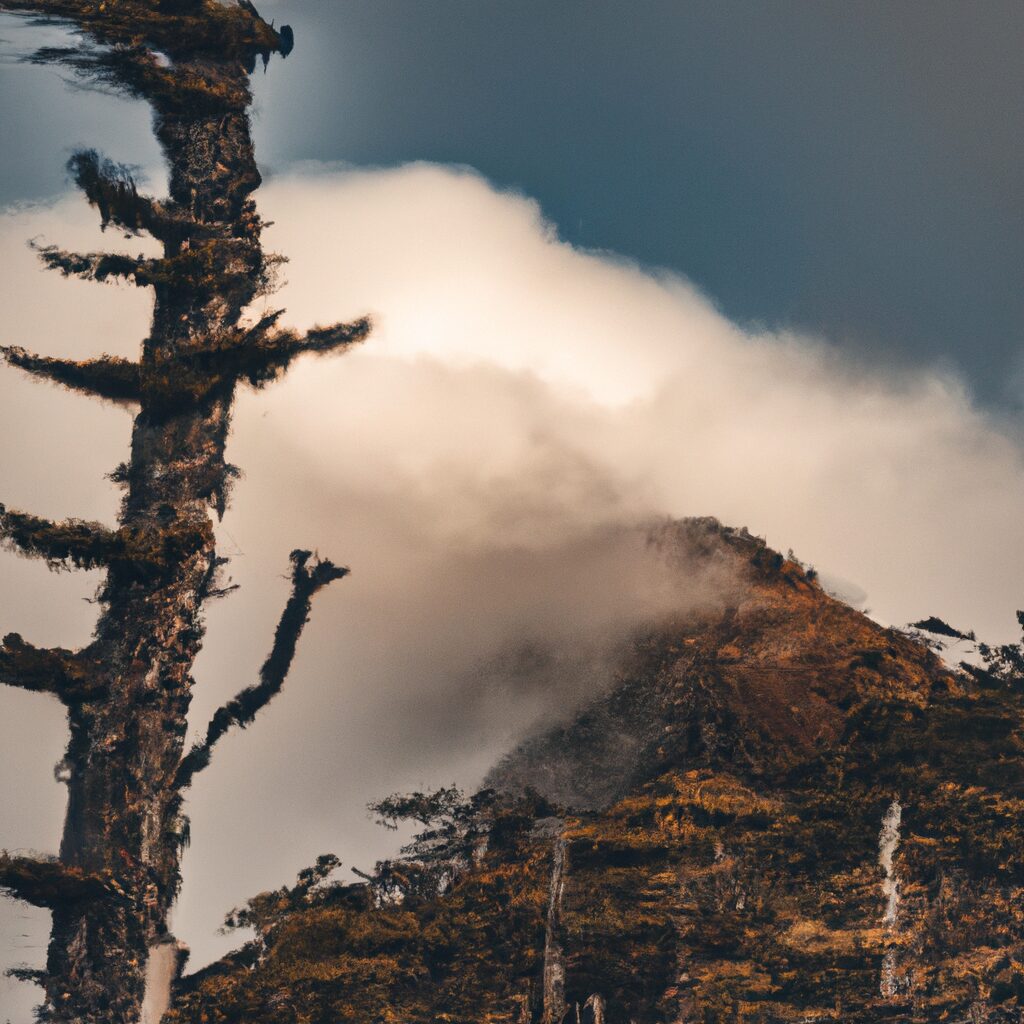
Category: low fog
[481,463]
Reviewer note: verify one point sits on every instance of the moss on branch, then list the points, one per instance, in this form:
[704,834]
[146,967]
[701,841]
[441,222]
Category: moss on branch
[46,882]
[65,544]
[97,266]
[70,676]
[111,188]
[307,578]
[106,377]
[137,552]
[257,356]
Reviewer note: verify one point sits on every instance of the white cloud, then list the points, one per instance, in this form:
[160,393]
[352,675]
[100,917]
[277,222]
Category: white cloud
[507,358]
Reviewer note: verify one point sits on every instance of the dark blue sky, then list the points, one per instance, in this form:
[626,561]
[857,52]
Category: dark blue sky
[852,169]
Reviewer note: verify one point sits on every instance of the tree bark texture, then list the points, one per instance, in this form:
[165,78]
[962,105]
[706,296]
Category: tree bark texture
[554,1005]
[127,694]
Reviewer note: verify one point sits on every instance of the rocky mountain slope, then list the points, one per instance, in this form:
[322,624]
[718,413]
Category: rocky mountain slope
[781,812]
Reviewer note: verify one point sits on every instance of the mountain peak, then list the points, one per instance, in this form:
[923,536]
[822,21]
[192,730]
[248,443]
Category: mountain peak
[769,682]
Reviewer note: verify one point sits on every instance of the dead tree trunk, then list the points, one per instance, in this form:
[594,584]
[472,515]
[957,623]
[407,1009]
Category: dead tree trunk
[596,1006]
[554,952]
[128,692]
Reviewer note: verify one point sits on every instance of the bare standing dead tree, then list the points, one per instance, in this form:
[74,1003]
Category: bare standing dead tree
[127,693]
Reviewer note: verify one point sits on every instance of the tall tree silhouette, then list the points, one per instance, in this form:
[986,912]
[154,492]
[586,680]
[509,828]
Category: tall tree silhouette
[127,692]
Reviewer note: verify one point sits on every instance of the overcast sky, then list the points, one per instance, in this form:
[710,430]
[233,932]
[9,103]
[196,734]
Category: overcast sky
[756,262]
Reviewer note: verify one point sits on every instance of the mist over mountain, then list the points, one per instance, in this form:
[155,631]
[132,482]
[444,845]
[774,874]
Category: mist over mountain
[778,812]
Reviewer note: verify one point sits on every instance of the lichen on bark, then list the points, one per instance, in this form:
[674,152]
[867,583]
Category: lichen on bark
[127,693]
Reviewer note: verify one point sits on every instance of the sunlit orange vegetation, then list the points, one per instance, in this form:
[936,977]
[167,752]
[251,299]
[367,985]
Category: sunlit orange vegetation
[737,877]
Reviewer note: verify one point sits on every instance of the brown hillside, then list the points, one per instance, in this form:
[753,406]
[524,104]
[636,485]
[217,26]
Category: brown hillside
[780,813]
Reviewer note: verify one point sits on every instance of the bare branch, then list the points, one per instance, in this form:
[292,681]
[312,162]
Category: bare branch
[228,267]
[111,188]
[258,355]
[327,339]
[70,543]
[307,579]
[49,883]
[107,377]
[97,266]
[55,670]
[144,551]
[264,355]
[33,975]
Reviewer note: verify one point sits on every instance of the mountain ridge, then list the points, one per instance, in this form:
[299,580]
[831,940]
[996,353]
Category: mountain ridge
[779,812]
[780,640]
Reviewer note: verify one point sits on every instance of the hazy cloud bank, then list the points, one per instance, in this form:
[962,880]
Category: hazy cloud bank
[533,378]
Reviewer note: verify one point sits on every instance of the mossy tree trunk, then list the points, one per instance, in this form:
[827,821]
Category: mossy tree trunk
[127,694]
